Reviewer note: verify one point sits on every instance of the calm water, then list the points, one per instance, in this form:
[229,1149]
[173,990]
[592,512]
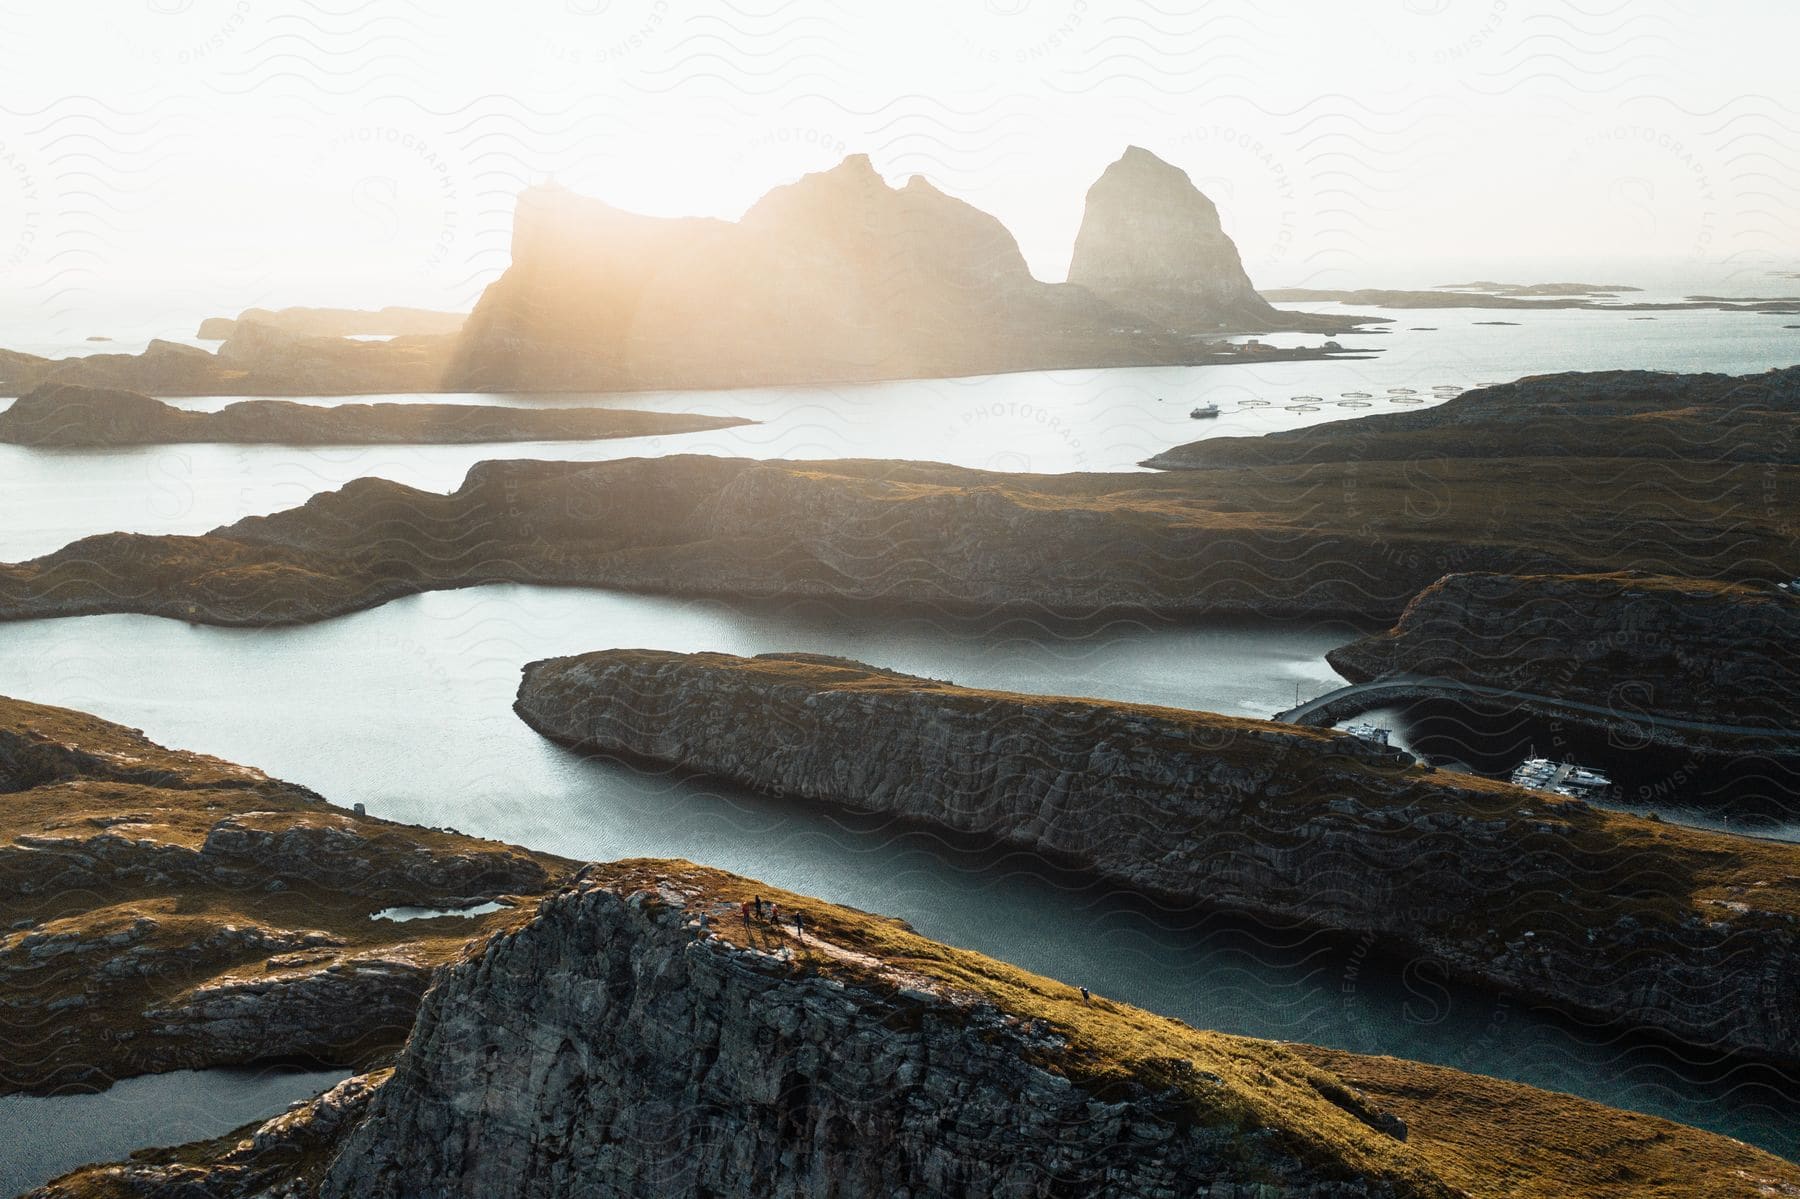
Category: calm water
[407,708]
[41,1138]
[1035,421]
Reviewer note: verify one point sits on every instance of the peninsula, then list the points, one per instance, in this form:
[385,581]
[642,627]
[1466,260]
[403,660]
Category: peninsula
[1346,520]
[1599,913]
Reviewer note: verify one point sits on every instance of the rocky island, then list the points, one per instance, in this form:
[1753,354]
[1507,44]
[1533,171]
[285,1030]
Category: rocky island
[836,277]
[1629,415]
[1533,296]
[256,359]
[62,414]
[167,910]
[1352,521]
[1637,645]
[1690,932]
[840,276]
[391,321]
[638,1034]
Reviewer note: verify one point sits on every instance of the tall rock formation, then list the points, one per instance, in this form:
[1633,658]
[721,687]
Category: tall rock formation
[835,277]
[1151,242]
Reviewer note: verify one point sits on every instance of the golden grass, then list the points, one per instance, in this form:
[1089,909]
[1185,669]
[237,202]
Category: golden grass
[1485,1136]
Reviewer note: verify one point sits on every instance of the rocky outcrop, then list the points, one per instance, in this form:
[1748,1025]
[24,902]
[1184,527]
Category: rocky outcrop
[1684,931]
[1151,242]
[337,322]
[640,1037]
[69,415]
[1635,644]
[256,360]
[169,910]
[1628,416]
[1358,538]
[835,277]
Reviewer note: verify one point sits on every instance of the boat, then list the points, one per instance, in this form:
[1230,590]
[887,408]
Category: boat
[1368,732]
[1204,411]
[1566,778]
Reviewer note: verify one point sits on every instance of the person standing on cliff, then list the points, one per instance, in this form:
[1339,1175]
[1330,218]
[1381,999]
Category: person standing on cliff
[759,907]
[799,924]
[1085,997]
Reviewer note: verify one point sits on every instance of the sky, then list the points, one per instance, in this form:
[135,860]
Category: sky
[205,155]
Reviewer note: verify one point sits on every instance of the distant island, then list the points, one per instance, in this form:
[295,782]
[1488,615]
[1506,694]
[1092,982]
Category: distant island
[1539,296]
[61,414]
[837,277]
[337,322]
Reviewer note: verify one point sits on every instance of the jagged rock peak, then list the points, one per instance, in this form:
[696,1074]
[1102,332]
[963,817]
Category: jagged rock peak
[1151,240]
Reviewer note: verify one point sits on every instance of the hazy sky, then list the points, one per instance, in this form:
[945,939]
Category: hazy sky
[218,153]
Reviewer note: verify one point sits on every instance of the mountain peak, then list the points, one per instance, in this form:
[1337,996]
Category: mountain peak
[1152,241]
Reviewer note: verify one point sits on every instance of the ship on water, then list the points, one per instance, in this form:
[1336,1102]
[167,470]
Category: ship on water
[1566,778]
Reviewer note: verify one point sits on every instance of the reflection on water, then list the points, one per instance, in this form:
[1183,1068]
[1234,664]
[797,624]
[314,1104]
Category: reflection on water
[407,709]
[42,1137]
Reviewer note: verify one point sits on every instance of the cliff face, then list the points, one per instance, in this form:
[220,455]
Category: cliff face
[1634,643]
[169,910]
[1686,931]
[638,1037]
[617,1042]
[1151,242]
[835,277]
[62,414]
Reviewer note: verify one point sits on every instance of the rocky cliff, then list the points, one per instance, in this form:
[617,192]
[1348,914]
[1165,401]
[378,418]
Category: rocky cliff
[1360,538]
[61,414]
[167,910]
[837,276]
[1637,644]
[638,1037]
[1689,932]
[1152,243]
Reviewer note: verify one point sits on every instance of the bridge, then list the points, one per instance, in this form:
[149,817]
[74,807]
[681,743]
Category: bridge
[1356,698]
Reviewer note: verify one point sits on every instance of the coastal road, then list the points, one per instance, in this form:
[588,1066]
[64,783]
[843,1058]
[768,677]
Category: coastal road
[1360,697]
